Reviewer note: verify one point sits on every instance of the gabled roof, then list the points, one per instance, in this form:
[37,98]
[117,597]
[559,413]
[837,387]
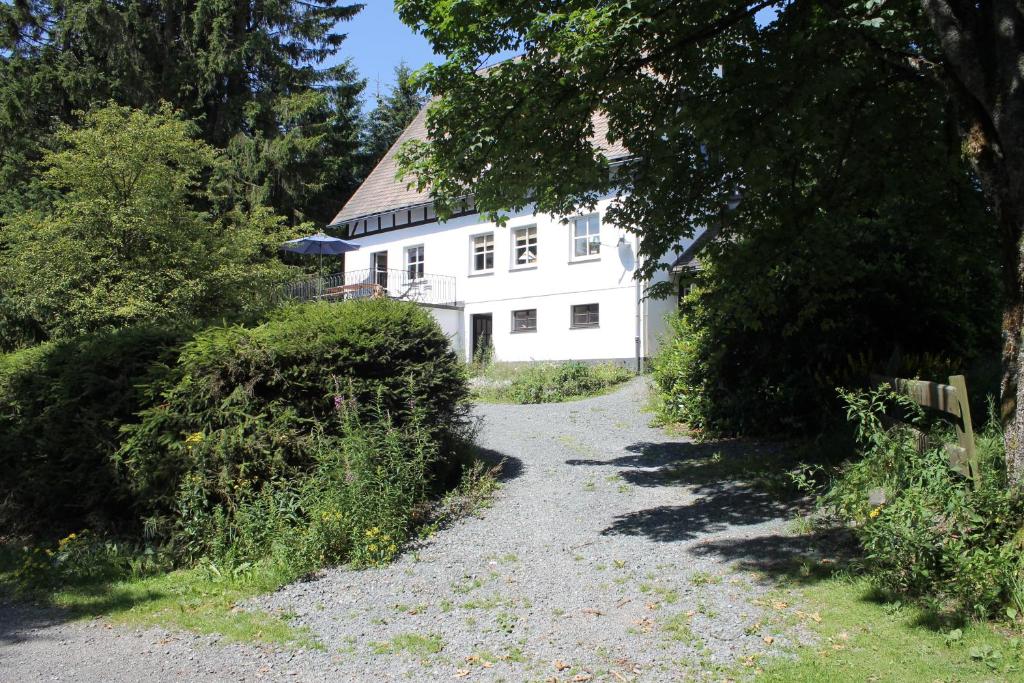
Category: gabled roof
[382,191]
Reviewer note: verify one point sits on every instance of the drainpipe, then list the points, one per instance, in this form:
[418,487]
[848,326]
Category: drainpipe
[639,339]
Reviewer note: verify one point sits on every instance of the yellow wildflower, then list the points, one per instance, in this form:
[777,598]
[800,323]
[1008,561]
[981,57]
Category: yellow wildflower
[874,513]
[194,437]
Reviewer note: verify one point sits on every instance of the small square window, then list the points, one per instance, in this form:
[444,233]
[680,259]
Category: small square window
[524,321]
[586,236]
[483,252]
[585,315]
[525,246]
[414,262]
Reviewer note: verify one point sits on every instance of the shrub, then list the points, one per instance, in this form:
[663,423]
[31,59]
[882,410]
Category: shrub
[245,416]
[782,313]
[935,537]
[357,502]
[62,405]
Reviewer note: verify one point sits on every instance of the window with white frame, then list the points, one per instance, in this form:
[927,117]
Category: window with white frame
[524,246]
[586,236]
[585,315]
[483,252]
[524,321]
[414,262]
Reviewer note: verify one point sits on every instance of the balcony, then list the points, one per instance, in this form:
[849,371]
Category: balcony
[428,290]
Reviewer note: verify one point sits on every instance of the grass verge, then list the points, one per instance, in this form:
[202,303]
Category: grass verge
[202,599]
[862,637]
[205,599]
[544,382]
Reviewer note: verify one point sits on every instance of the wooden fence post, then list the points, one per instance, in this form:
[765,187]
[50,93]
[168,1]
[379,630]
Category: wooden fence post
[965,430]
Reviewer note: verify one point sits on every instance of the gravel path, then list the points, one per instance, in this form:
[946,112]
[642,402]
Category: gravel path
[595,562]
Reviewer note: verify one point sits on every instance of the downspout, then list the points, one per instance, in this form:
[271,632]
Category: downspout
[639,341]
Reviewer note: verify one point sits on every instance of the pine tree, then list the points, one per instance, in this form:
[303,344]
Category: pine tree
[392,113]
[251,74]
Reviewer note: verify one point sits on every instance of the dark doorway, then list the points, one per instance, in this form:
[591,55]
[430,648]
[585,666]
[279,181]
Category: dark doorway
[379,264]
[482,327]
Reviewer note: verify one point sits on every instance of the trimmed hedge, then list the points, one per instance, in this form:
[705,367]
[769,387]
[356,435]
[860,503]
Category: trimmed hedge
[110,432]
[62,406]
[247,407]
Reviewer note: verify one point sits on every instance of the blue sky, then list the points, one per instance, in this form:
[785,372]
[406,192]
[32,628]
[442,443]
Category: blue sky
[377,42]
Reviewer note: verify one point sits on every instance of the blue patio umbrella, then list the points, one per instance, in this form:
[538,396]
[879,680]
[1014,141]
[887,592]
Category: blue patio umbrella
[321,244]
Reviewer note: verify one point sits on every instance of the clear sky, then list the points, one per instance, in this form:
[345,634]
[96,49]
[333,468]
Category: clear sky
[377,42]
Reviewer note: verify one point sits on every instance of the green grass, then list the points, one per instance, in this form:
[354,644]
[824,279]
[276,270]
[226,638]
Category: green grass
[197,600]
[546,382]
[416,644]
[862,638]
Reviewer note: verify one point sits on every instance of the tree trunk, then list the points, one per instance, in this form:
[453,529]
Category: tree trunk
[1011,387]
[982,48]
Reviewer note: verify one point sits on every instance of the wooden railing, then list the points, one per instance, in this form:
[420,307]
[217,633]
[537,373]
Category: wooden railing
[950,400]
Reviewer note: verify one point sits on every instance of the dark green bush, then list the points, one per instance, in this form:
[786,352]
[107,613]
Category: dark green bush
[792,303]
[936,537]
[62,405]
[246,416]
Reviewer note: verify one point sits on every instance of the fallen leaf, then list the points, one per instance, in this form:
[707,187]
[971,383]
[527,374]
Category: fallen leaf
[769,640]
[779,604]
[816,616]
[560,665]
[485,664]
[652,605]
[579,678]
[645,624]
[461,673]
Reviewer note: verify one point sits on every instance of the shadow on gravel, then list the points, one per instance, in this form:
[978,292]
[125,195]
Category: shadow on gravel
[720,507]
[20,623]
[802,559]
[511,466]
[674,462]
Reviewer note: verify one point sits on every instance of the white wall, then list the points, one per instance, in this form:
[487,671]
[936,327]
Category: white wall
[450,320]
[552,286]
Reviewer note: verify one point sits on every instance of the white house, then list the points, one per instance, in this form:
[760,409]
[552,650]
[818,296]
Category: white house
[534,289]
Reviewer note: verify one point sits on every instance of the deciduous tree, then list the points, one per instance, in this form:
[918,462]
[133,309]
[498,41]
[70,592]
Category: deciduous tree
[125,240]
[711,97]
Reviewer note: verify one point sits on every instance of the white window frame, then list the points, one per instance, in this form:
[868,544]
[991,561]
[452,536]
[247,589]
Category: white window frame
[592,240]
[527,329]
[587,326]
[473,270]
[412,266]
[516,265]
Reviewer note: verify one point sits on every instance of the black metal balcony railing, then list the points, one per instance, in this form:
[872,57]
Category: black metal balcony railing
[427,289]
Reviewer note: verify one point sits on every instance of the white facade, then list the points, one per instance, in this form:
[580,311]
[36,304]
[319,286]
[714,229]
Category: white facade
[537,266]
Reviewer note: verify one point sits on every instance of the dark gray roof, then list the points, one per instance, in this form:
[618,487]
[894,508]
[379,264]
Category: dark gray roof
[689,259]
[382,191]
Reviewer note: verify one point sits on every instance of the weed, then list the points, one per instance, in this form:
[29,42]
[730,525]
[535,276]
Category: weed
[418,645]
[677,628]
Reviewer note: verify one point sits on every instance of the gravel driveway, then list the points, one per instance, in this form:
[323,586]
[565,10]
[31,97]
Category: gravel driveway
[595,562]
